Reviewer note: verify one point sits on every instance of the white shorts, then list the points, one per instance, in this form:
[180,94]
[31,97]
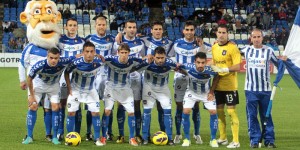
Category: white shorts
[180,86]
[190,98]
[151,94]
[91,99]
[46,92]
[100,84]
[123,95]
[136,85]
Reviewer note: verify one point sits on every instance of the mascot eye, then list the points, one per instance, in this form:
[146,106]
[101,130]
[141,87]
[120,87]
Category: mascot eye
[37,11]
[49,11]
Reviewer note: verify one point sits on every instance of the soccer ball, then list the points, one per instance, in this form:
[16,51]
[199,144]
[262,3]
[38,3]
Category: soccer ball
[160,138]
[72,139]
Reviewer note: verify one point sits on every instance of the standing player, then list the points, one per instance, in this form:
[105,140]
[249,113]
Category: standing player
[104,44]
[118,88]
[156,88]
[47,73]
[70,44]
[136,46]
[152,42]
[199,89]
[81,88]
[225,55]
[184,50]
[258,88]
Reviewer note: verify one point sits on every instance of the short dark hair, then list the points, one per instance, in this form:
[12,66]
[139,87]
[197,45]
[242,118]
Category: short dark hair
[70,19]
[159,50]
[54,51]
[131,21]
[190,23]
[88,44]
[200,55]
[124,46]
[156,23]
[223,26]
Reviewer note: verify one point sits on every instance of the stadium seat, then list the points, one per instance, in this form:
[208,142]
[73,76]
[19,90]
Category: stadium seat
[237,36]
[244,37]
[72,6]
[231,36]
[281,47]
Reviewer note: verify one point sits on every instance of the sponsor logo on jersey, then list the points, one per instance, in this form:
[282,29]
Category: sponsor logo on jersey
[224,52]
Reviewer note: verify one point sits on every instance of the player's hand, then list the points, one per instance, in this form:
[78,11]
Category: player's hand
[23,85]
[150,58]
[210,97]
[78,55]
[101,57]
[31,100]
[199,41]
[118,38]
[219,69]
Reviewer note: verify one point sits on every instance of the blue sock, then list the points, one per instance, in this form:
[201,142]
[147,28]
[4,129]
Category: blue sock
[47,121]
[178,118]
[78,118]
[88,122]
[146,123]
[70,123]
[213,126]
[96,125]
[105,124]
[138,120]
[196,119]
[31,119]
[131,125]
[161,119]
[61,121]
[168,122]
[186,125]
[109,130]
[121,119]
[55,122]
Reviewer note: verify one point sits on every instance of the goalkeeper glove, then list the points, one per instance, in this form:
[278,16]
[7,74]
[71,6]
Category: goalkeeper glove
[219,69]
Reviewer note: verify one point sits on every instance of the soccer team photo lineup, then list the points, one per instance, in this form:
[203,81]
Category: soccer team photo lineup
[142,73]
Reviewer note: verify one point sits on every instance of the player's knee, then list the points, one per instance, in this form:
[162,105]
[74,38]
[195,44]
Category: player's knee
[107,112]
[130,113]
[187,110]
[71,113]
[33,107]
[212,112]
[54,106]
[95,113]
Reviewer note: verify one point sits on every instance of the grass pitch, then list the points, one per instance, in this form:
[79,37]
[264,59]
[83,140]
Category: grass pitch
[13,109]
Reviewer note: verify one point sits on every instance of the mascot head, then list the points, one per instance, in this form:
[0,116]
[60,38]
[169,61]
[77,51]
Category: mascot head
[41,18]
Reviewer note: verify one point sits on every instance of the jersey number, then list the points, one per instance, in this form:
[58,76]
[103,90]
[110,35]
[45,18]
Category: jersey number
[229,98]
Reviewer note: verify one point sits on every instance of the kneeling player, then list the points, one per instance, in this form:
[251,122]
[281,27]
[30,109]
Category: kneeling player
[199,89]
[46,74]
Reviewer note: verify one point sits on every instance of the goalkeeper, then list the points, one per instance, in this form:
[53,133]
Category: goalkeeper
[226,59]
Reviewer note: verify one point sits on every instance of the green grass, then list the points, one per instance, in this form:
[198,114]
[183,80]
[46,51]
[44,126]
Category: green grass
[13,111]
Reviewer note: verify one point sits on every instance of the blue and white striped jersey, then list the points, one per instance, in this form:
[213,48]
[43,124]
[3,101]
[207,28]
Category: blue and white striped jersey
[103,45]
[157,76]
[30,56]
[83,73]
[152,43]
[70,46]
[47,74]
[199,82]
[118,72]
[184,51]
[258,67]
[137,47]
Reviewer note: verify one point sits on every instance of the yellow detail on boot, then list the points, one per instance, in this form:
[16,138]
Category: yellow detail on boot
[234,124]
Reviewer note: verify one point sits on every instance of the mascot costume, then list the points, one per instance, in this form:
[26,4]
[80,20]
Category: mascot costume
[41,18]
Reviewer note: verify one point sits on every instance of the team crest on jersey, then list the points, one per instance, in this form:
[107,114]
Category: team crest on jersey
[75,41]
[224,52]
[134,43]
[163,41]
[95,65]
